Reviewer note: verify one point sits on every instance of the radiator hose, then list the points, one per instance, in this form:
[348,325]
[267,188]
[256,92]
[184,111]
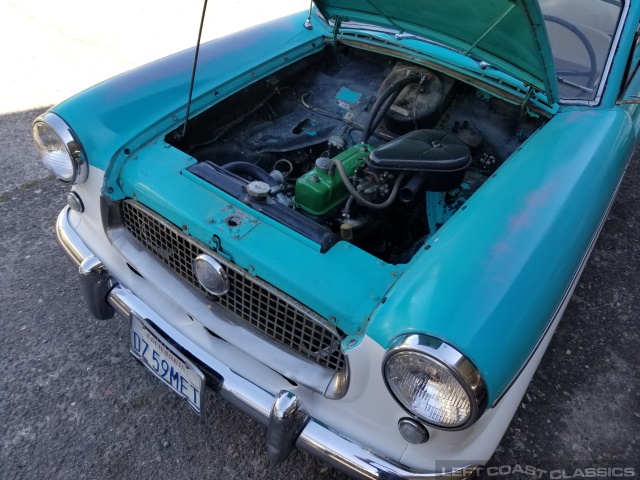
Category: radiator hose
[251,170]
[384,102]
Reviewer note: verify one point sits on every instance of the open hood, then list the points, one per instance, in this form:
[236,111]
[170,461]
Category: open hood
[508,34]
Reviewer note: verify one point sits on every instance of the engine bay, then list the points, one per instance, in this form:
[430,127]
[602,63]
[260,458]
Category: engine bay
[356,146]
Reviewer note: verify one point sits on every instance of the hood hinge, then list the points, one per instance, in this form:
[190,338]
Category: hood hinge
[525,102]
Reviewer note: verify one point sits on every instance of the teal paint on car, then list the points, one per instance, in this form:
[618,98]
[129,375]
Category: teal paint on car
[332,283]
[140,104]
[508,35]
[486,278]
[373,221]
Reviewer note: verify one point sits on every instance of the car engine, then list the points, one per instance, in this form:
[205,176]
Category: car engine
[356,146]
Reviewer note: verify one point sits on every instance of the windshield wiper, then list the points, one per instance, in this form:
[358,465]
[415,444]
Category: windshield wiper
[400,35]
[574,85]
[409,36]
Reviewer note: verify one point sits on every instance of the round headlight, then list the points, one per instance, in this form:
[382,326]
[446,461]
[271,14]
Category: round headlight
[59,150]
[210,275]
[434,382]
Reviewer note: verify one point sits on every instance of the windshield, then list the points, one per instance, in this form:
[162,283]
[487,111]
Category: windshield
[581,33]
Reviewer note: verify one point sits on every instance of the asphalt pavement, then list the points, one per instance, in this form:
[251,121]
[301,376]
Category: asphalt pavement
[74,404]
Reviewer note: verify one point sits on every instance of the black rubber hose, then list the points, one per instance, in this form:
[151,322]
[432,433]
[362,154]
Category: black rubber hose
[382,111]
[251,170]
[382,105]
[412,188]
[347,207]
[358,197]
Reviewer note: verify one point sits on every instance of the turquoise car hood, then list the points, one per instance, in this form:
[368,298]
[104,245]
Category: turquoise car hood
[508,34]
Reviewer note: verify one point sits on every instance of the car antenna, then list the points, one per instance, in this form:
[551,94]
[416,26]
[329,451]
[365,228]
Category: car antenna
[307,24]
[193,71]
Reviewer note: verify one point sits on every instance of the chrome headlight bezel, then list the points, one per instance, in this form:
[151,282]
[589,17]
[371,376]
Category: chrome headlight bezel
[78,164]
[447,357]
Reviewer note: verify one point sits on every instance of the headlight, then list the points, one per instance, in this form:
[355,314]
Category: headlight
[434,382]
[59,149]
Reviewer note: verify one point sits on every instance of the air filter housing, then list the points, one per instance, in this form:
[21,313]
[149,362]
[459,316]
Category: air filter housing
[440,155]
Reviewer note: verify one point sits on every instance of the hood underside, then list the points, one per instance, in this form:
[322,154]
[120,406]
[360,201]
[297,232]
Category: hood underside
[508,34]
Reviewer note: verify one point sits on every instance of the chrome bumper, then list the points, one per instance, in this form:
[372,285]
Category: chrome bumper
[284,415]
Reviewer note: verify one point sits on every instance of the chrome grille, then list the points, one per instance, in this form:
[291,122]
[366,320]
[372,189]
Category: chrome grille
[255,301]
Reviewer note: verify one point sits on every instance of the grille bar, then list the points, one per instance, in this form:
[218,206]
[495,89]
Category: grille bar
[253,300]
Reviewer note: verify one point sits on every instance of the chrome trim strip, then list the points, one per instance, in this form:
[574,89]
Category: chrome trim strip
[75,248]
[316,438]
[341,454]
[567,294]
[450,358]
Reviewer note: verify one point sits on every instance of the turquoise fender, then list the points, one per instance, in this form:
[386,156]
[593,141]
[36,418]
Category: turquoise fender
[492,278]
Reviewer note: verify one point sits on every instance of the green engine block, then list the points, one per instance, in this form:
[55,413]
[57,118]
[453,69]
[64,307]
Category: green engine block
[317,193]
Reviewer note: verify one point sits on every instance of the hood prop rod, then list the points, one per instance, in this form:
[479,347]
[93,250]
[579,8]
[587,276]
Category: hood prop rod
[336,28]
[193,71]
[491,27]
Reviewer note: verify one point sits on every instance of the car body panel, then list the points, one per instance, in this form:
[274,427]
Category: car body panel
[140,104]
[359,418]
[486,276]
[329,283]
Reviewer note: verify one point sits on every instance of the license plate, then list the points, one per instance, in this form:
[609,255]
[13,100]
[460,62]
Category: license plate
[166,363]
